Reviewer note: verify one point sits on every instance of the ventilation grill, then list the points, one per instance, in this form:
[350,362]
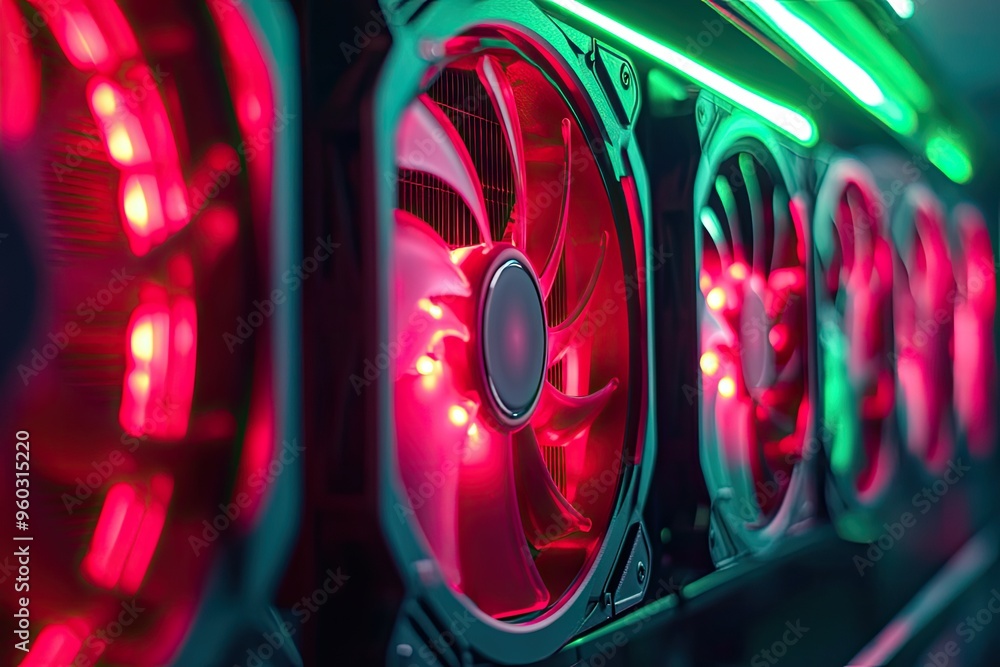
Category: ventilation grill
[467,104]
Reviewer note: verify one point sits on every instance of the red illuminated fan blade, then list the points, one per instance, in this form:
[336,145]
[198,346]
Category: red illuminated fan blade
[547,277]
[501,95]
[784,288]
[560,418]
[429,142]
[497,569]
[545,513]
[561,335]
[424,274]
[431,446]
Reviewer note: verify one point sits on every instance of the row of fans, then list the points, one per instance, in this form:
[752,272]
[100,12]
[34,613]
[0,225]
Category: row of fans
[836,332]
[511,249]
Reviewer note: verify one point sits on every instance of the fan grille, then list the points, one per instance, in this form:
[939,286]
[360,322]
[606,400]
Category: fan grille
[465,101]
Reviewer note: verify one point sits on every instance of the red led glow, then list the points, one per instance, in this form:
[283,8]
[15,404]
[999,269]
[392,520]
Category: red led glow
[160,368]
[20,83]
[975,311]
[128,531]
[93,34]
[55,646]
[250,85]
[124,137]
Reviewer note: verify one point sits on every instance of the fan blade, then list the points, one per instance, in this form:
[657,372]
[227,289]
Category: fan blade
[430,449]
[493,77]
[560,418]
[547,278]
[429,142]
[545,513]
[710,221]
[424,270]
[728,199]
[785,287]
[562,334]
[751,188]
[497,570]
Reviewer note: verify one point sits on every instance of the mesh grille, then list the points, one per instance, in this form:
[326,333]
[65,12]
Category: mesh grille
[465,101]
[555,461]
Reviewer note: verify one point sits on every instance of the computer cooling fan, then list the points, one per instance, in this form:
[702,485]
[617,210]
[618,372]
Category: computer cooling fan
[511,478]
[139,194]
[755,395]
[975,311]
[854,289]
[924,297]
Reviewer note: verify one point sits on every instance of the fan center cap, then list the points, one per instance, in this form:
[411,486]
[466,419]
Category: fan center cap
[515,338]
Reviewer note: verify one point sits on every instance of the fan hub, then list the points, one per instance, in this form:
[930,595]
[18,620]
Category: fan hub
[514,336]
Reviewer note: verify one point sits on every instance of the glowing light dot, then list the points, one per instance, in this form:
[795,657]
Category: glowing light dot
[436,311]
[738,271]
[458,415]
[473,431]
[727,387]
[136,209]
[425,365]
[705,281]
[120,145]
[183,337]
[142,341]
[778,336]
[138,382]
[104,99]
[716,299]
[709,363]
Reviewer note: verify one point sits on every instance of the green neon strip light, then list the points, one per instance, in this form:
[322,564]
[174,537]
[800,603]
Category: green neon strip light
[839,67]
[904,8]
[787,120]
[892,69]
[830,59]
[948,156]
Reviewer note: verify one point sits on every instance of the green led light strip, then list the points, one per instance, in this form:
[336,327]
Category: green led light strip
[950,157]
[799,127]
[838,66]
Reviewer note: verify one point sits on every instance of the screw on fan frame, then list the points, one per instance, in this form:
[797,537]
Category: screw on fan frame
[853,281]
[469,267]
[755,393]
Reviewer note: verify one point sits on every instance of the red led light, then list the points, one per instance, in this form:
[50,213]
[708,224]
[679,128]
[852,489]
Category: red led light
[128,531]
[55,646]
[20,85]
[160,369]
